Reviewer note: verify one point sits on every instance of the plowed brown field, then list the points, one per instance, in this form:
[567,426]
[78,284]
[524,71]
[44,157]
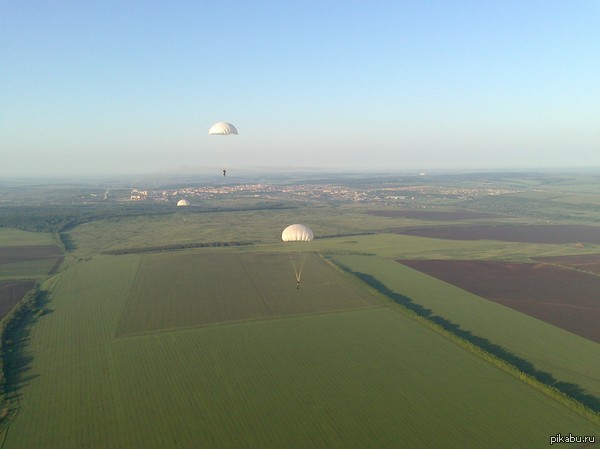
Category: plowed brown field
[11,292]
[585,262]
[563,297]
[11,254]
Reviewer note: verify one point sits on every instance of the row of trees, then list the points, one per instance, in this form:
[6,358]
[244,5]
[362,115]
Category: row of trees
[12,360]
[176,247]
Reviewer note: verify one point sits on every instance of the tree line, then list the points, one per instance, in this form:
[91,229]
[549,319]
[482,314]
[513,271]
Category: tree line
[12,359]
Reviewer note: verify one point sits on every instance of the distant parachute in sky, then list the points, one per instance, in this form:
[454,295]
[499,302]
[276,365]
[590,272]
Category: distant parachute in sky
[222,129]
[297,233]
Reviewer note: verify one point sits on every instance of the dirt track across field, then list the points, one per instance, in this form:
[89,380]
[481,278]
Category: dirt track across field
[563,297]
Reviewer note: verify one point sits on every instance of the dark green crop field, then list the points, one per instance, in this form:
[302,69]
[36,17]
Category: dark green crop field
[174,290]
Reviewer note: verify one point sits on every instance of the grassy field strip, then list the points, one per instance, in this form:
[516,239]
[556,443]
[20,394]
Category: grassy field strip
[403,246]
[66,387]
[16,237]
[580,198]
[346,380]
[355,379]
[181,227]
[175,290]
[566,356]
[265,226]
[30,269]
[429,248]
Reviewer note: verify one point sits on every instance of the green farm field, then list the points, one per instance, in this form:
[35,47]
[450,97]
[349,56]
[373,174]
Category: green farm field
[258,226]
[566,356]
[367,377]
[174,290]
[33,269]
[183,227]
[17,237]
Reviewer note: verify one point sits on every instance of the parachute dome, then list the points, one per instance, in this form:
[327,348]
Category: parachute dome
[297,233]
[183,203]
[222,128]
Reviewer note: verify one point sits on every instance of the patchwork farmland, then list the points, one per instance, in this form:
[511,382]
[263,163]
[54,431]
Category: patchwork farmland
[25,258]
[27,255]
[567,357]
[214,347]
[349,378]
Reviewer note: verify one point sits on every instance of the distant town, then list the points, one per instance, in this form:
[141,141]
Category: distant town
[316,193]
[410,191]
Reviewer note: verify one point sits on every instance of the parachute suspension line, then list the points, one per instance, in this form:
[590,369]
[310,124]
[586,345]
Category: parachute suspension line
[296,272]
[303,258]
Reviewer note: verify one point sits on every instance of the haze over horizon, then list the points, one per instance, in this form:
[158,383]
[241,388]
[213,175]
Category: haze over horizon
[133,87]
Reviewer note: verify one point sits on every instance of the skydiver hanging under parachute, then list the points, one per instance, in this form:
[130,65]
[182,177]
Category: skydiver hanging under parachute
[293,235]
[222,129]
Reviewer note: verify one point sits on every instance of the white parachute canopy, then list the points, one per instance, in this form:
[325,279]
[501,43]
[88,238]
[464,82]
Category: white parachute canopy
[223,129]
[297,233]
[183,202]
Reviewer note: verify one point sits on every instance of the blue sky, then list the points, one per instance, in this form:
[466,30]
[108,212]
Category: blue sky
[95,88]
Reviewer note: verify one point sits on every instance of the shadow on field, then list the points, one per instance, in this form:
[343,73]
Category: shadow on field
[572,390]
[67,241]
[56,265]
[16,360]
[17,365]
